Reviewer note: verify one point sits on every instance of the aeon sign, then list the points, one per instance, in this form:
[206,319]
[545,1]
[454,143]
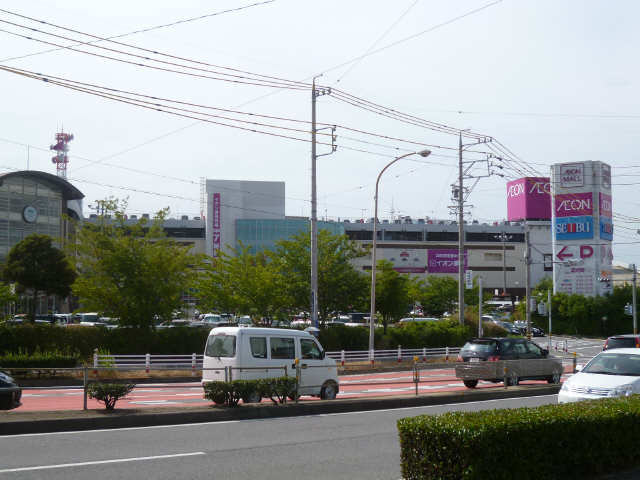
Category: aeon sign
[529,199]
[573,204]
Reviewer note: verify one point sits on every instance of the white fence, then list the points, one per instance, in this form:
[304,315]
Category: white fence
[194,360]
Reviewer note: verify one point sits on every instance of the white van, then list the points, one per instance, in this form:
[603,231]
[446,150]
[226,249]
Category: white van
[240,348]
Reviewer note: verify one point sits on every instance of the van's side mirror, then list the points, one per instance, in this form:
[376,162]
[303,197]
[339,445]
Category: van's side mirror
[545,352]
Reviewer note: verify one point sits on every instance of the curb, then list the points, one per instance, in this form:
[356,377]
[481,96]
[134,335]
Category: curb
[15,423]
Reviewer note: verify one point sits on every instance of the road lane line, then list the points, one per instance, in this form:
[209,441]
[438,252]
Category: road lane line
[98,462]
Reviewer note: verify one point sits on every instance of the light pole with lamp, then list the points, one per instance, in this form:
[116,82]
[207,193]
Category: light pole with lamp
[422,153]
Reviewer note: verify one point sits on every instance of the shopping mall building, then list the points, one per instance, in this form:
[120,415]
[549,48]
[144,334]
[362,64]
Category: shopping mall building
[252,213]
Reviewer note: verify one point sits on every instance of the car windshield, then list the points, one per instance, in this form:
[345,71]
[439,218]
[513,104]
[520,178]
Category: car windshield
[614,364]
[480,347]
[221,345]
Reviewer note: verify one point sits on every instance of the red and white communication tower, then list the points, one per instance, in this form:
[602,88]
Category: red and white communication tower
[61,147]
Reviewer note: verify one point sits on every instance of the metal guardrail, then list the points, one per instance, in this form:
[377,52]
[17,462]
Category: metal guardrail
[194,361]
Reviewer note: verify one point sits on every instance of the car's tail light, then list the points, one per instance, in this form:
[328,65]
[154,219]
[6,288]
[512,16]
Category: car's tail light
[606,342]
[493,358]
[459,359]
[637,342]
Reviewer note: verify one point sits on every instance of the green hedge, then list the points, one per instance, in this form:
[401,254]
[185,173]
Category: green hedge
[573,440]
[29,338]
[38,359]
[446,333]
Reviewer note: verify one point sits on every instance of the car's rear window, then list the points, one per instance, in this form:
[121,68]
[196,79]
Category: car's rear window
[621,342]
[479,347]
[221,345]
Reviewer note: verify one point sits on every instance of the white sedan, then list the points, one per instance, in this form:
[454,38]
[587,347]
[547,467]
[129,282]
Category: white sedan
[612,373]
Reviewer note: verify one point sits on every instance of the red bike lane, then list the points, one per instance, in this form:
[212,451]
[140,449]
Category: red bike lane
[191,394]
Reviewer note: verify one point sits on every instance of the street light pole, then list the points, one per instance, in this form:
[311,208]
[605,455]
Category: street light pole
[422,153]
[633,296]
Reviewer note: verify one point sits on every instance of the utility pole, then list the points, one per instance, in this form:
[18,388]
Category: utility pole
[549,308]
[633,296]
[460,235]
[315,93]
[479,306]
[527,262]
[459,195]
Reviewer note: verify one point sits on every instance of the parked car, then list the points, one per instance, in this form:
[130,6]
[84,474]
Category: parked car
[405,321]
[509,327]
[213,320]
[486,358]
[628,340]
[10,392]
[612,373]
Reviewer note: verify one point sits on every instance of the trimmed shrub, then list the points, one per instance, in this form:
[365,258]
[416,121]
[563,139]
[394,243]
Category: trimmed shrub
[230,393]
[552,441]
[109,393]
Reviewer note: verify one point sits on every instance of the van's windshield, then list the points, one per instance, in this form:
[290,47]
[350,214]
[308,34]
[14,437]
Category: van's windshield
[221,345]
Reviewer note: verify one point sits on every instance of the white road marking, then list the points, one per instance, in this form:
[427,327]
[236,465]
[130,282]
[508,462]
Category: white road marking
[98,462]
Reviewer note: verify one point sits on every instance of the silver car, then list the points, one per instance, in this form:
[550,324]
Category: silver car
[506,359]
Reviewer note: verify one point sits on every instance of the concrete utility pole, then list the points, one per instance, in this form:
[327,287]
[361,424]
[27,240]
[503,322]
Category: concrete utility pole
[479,306]
[633,296]
[459,198]
[460,235]
[314,213]
[315,93]
[503,237]
[527,261]
[549,308]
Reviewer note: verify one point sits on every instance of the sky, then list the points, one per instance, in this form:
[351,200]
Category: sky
[552,81]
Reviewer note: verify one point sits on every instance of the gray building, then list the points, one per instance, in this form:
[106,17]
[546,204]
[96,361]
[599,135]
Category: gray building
[36,202]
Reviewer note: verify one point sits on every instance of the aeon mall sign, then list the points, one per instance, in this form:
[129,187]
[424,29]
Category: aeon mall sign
[529,198]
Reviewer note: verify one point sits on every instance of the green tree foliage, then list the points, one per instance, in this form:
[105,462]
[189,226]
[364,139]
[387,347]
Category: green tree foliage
[37,266]
[438,295]
[392,293]
[245,283]
[340,286]
[131,271]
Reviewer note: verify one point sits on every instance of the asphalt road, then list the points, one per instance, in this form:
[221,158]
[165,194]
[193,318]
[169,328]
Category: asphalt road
[337,446]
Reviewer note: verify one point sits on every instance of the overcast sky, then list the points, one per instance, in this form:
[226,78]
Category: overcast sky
[554,81]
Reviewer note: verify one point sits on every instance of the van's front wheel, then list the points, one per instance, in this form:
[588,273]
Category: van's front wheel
[329,391]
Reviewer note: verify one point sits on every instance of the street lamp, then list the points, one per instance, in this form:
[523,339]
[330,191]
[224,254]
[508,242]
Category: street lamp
[422,153]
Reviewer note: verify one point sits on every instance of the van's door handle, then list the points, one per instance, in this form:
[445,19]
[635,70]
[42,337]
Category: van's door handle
[302,365]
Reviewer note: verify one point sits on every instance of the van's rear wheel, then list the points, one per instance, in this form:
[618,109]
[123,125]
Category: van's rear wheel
[555,378]
[470,383]
[253,397]
[329,391]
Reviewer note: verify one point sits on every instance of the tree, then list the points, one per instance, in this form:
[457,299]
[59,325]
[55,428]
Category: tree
[439,295]
[392,292]
[37,266]
[131,271]
[244,283]
[341,287]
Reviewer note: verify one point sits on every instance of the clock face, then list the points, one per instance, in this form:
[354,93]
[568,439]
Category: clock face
[30,214]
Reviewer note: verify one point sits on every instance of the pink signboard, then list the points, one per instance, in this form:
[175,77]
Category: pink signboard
[216,224]
[529,198]
[605,205]
[573,204]
[444,261]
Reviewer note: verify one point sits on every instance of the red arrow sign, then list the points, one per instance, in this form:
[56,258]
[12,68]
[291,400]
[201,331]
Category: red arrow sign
[562,255]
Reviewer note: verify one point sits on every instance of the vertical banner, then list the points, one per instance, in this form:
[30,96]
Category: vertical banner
[216,224]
